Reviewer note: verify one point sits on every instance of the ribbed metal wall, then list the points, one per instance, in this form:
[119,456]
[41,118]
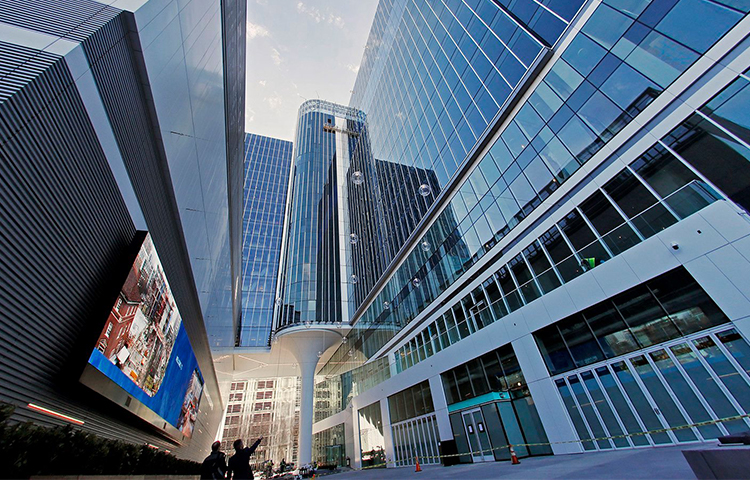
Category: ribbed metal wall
[65,230]
[73,20]
[19,66]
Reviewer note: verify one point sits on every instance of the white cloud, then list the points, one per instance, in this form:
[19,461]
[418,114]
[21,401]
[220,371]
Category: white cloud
[262,83]
[249,115]
[312,11]
[353,68]
[274,101]
[319,16]
[255,30]
[336,21]
[276,57]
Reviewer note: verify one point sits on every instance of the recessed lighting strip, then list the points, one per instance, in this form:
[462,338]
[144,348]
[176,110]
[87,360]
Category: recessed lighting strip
[55,414]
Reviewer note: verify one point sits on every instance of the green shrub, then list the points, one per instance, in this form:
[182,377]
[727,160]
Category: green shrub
[27,449]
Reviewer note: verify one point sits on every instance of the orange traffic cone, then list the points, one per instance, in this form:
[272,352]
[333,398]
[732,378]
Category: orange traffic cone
[419,469]
[513,457]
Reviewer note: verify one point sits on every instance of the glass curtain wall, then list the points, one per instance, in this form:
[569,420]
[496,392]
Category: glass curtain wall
[317,275]
[441,71]
[603,80]
[267,164]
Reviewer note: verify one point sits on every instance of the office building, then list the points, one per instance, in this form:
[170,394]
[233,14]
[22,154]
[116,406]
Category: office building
[267,165]
[268,408]
[120,118]
[592,160]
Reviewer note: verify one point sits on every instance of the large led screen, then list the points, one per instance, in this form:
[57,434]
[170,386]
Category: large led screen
[144,350]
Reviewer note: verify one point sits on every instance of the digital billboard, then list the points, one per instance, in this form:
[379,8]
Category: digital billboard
[143,359]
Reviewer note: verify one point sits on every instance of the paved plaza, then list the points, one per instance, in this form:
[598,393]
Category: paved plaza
[649,463]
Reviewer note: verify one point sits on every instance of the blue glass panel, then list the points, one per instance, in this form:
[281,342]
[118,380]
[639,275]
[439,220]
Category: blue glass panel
[563,79]
[528,121]
[559,160]
[514,139]
[697,23]
[583,54]
[626,85]
[660,59]
[606,26]
[630,7]
[599,113]
[576,136]
[545,101]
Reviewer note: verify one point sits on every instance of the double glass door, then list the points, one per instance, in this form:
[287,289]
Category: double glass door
[476,433]
[696,379]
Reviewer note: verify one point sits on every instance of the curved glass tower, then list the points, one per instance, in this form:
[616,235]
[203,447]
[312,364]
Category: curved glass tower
[318,279]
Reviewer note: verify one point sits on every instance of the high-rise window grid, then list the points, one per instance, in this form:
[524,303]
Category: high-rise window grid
[267,164]
[564,123]
[445,70]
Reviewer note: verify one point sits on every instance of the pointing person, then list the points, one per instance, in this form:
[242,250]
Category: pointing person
[239,463]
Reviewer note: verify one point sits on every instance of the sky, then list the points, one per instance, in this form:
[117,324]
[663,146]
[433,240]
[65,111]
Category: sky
[298,50]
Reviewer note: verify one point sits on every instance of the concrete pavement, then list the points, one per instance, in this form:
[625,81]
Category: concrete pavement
[642,463]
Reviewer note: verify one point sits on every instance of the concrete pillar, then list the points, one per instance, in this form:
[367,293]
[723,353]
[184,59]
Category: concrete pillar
[549,406]
[385,415]
[307,371]
[441,408]
[307,345]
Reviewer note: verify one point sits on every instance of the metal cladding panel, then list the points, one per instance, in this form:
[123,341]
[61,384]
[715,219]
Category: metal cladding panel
[66,234]
[19,65]
[120,76]
[63,230]
[234,13]
[70,19]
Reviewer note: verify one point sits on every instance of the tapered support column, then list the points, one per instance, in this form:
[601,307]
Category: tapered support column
[306,344]
[304,451]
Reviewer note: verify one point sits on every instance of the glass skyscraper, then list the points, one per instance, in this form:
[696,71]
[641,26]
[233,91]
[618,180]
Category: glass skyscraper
[318,277]
[267,164]
[565,248]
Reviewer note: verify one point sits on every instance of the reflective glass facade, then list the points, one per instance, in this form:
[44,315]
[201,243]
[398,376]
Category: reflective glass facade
[606,76]
[581,272]
[115,120]
[183,52]
[318,279]
[267,164]
[434,76]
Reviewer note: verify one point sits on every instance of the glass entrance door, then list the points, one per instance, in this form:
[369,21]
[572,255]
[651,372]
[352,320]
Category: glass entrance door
[476,433]
[699,378]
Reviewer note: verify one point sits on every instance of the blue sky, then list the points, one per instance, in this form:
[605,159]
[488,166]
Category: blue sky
[297,50]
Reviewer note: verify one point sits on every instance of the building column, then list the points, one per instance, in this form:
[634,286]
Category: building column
[441,408]
[308,346]
[385,421]
[547,400]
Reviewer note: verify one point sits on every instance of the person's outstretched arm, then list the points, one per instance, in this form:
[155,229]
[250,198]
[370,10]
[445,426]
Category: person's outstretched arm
[252,447]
